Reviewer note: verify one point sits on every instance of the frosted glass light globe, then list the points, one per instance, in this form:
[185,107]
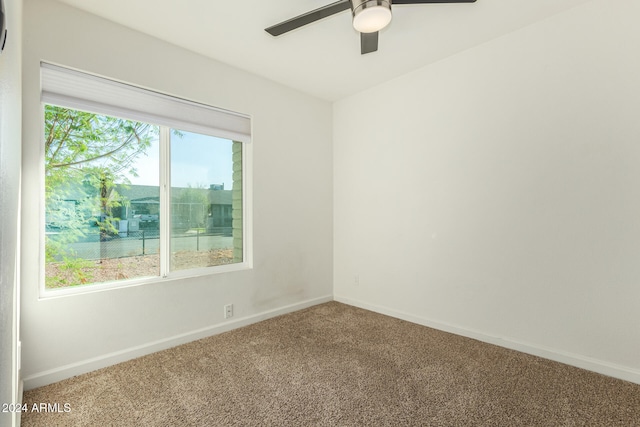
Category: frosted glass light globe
[372,19]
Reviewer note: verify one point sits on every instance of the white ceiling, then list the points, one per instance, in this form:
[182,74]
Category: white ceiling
[323,58]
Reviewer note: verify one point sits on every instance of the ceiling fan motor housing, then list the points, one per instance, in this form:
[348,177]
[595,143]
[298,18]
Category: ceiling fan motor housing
[370,15]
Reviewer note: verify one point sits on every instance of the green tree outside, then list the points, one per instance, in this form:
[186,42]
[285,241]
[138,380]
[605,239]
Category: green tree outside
[86,154]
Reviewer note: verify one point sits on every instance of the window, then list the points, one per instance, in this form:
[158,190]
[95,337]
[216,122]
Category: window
[138,186]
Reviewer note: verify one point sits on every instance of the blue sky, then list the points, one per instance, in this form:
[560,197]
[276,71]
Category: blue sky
[197,160]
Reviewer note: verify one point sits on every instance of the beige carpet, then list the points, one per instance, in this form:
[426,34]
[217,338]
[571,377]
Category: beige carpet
[336,365]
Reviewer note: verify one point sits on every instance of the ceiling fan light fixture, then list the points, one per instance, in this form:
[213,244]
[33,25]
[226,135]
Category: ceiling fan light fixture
[370,16]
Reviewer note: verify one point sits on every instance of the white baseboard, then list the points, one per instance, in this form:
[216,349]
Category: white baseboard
[579,361]
[63,372]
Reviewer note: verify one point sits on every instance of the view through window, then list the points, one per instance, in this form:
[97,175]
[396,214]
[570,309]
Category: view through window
[107,217]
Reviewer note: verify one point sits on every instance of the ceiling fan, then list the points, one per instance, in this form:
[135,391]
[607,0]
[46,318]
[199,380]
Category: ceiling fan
[369,17]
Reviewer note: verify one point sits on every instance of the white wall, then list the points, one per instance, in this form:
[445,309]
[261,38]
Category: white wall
[496,193]
[292,203]
[10,137]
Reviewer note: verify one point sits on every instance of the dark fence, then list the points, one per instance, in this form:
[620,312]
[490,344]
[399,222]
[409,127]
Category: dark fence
[143,242]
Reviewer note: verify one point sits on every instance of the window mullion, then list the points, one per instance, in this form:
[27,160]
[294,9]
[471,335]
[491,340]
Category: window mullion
[165,200]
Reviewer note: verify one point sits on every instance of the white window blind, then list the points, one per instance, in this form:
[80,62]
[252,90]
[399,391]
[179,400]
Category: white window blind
[73,89]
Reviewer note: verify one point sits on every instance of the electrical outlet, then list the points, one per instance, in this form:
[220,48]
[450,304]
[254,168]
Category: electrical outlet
[228,311]
[356,280]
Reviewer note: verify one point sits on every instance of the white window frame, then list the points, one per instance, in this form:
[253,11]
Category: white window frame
[78,90]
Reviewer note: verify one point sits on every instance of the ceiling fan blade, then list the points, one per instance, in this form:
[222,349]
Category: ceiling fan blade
[431,1]
[368,42]
[309,17]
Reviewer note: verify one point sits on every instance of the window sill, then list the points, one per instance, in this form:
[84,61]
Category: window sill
[46,294]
